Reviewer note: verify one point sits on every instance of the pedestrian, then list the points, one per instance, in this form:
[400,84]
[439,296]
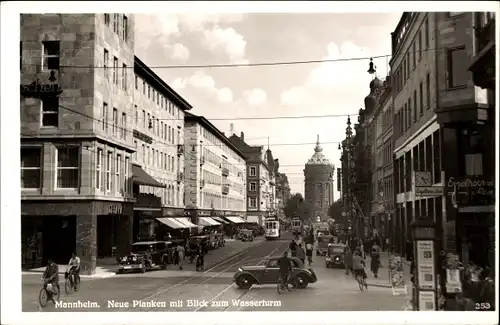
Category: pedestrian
[375,260]
[309,252]
[181,253]
[347,259]
[293,248]
[301,254]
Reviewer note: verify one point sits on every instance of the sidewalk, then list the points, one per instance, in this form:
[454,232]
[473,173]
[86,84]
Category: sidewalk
[383,279]
[107,267]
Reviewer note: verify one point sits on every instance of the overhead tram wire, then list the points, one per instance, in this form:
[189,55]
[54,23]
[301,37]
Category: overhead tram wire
[261,64]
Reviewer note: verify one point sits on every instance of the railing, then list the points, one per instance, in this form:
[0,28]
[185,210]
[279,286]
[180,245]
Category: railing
[180,149]
[202,161]
[225,171]
[180,177]
[147,200]
[202,183]
[225,189]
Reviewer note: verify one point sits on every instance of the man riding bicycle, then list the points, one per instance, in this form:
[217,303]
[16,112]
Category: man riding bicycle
[51,275]
[358,266]
[73,267]
[285,265]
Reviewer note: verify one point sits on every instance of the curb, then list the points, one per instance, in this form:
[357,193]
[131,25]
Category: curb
[94,276]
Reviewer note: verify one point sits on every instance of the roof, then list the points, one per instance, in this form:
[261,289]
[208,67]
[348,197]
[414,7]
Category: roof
[141,69]
[318,158]
[209,126]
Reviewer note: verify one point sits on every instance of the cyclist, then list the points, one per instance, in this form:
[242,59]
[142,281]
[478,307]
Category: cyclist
[285,265]
[51,275]
[293,247]
[73,267]
[358,266]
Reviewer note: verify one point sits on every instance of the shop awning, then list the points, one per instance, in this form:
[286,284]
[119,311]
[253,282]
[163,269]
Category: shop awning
[186,222]
[172,223]
[235,219]
[140,177]
[219,219]
[207,221]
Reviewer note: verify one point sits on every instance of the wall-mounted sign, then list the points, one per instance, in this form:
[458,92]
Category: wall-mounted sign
[471,190]
[143,137]
[429,191]
[115,209]
[37,90]
[425,264]
[427,301]
[423,179]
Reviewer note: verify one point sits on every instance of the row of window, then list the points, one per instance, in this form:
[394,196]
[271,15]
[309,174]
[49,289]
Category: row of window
[426,156]
[118,124]
[115,73]
[67,167]
[171,195]
[156,126]
[156,97]
[413,109]
[221,202]
[214,179]
[156,158]
[383,188]
[112,173]
[384,156]
[119,22]
[214,140]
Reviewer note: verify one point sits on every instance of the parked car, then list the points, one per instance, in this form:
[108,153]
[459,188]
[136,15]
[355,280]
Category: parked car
[335,256]
[202,240]
[322,246]
[246,235]
[146,255]
[268,273]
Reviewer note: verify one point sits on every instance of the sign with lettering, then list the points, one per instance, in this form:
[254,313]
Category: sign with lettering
[429,191]
[36,89]
[471,190]
[423,179]
[115,209]
[143,137]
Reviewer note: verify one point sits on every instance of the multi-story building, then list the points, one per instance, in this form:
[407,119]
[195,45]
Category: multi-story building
[157,127]
[318,190]
[76,164]
[431,52]
[215,171]
[283,192]
[259,179]
[466,115]
[378,122]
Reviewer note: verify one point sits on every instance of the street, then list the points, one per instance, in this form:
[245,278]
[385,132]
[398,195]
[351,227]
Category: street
[213,290]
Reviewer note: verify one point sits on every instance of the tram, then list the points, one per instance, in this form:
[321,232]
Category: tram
[296,226]
[272,228]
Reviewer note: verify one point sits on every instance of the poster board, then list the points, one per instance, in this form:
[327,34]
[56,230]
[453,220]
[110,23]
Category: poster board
[425,266]
[396,273]
[427,301]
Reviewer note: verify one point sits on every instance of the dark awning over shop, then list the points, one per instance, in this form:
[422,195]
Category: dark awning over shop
[140,177]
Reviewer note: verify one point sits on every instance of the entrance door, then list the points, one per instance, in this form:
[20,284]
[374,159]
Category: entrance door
[59,238]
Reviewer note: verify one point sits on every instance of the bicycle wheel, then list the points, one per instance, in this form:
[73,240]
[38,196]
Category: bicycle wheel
[360,282]
[292,284]
[76,285]
[67,286]
[43,297]
[279,286]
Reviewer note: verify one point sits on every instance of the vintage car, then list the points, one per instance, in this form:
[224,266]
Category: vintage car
[202,240]
[246,235]
[322,246]
[335,256]
[146,255]
[268,273]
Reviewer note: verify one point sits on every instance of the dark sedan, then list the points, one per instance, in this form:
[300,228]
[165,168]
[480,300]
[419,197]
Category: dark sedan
[268,273]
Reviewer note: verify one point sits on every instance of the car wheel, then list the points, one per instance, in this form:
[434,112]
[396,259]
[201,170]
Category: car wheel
[143,268]
[245,281]
[300,281]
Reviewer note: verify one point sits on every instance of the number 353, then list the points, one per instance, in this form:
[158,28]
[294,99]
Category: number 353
[483,305]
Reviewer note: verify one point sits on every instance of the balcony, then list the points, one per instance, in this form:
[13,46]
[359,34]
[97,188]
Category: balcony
[225,171]
[202,161]
[180,177]
[225,189]
[483,63]
[180,149]
[202,183]
[147,201]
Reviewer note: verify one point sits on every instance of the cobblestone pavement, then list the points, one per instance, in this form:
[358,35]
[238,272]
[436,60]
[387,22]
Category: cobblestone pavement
[174,290]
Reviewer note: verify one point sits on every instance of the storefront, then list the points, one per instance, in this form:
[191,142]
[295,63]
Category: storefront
[56,229]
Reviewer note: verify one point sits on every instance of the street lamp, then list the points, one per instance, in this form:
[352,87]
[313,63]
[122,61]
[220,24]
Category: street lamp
[424,265]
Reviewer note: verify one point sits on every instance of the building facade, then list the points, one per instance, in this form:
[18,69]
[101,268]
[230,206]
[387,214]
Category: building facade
[215,171]
[259,179]
[157,125]
[283,192]
[318,190]
[75,165]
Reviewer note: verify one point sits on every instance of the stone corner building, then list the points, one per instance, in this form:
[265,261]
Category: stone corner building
[319,189]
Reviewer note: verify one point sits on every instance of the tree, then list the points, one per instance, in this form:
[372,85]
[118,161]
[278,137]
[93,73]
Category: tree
[334,210]
[295,206]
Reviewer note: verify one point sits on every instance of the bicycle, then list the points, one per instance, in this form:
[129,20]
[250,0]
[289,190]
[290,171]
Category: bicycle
[361,280]
[72,282]
[48,292]
[282,285]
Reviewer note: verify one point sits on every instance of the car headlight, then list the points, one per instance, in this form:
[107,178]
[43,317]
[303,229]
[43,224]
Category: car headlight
[124,259]
[328,259]
[240,269]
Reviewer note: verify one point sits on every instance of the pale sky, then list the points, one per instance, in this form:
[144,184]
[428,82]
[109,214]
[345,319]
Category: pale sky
[289,90]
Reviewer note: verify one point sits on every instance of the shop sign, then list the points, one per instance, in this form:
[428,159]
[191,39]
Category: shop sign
[143,137]
[37,90]
[471,190]
[115,209]
[429,191]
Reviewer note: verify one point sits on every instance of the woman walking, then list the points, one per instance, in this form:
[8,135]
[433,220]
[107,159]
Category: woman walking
[375,259]
[309,252]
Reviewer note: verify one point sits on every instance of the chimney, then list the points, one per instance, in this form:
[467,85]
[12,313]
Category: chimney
[242,136]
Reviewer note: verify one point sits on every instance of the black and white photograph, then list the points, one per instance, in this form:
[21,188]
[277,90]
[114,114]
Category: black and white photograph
[278,158]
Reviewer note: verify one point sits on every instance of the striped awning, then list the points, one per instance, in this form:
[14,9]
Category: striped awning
[219,219]
[172,223]
[186,222]
[235,219]
[207,221]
